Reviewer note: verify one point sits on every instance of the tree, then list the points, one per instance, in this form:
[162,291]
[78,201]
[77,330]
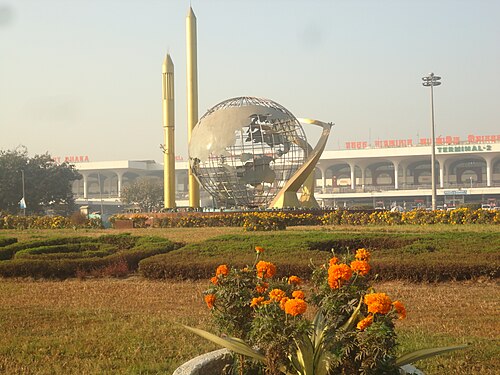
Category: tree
[47,185]
[145,192]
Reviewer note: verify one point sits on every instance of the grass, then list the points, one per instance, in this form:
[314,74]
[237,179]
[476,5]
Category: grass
[109,326]
[438,255]
[131,326]
[190,235]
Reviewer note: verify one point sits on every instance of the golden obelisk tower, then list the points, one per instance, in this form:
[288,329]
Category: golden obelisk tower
[192,98]
[167,79]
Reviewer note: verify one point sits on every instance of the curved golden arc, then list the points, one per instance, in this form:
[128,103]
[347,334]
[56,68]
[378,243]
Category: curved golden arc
[304,176]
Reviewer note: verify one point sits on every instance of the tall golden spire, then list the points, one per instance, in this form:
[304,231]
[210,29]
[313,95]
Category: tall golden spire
[168,106]
[192,98]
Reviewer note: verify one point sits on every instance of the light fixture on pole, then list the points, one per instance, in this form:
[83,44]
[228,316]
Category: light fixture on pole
[22,203]
[430,81]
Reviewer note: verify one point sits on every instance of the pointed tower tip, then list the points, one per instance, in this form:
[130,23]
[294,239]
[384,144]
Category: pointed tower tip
[165,63]
[191,12]
[168,65]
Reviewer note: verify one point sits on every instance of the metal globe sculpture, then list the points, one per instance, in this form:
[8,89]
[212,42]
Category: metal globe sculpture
[243,151]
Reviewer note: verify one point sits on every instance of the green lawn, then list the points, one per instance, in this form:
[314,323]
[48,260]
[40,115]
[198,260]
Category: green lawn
[131,326]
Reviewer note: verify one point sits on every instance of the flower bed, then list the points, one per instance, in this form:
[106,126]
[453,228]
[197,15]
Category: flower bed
[264,318]
[279,220]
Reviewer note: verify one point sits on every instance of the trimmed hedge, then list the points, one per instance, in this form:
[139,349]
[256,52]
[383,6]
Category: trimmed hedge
[5,241]
[8,252]
[413,257]
[61,258]
[74,250]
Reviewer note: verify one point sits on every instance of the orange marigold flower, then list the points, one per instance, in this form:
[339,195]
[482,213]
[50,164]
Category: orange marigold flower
[265,269]
[400,309]
[295,306]
[365,323]
[337,273]
[262,287]
[257,301]
[378,303]
[334,283]
[276,295]
[210,300]
[214,280]
[283,302]
[294,280]
[333,261]
[298,294]
[259,249]
[362,266]
[362,254]
[222,270]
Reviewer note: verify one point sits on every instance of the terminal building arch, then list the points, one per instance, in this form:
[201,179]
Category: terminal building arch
[471,170]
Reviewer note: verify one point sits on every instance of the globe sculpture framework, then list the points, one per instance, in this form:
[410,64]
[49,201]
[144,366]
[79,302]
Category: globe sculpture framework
[245,149]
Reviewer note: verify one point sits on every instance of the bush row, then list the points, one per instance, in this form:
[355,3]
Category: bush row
[8,252]
[77,250]
[278,220]
[433,256]
[5,241]
[69,257]
[160,267]
[47,222]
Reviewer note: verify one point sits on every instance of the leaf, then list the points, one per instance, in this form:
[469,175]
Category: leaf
[305,355]
[353,317]
[425,353]
[232,343]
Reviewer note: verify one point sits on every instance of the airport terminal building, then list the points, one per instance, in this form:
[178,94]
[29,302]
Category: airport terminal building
[382,174]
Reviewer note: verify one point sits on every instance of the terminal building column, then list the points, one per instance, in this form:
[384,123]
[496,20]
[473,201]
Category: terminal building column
[323,177]
[85,184]
[395,163]
[353,175]
[489,167]
[441,174]
[362,165]
[119,176]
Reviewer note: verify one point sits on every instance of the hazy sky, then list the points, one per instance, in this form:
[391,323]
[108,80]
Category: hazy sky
[83,77]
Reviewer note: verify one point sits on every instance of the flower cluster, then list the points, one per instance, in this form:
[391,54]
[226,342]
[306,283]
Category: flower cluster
[269,313]
[352,331]
[360,320]
[252,304]
[45,222]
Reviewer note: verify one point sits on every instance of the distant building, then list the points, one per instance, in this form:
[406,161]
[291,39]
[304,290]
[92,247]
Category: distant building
[466,171]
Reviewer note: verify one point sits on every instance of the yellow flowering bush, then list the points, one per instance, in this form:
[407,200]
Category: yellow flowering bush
[280,220]
[45,222]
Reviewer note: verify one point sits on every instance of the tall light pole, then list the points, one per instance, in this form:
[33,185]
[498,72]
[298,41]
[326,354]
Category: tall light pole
[23,205]
[430,81]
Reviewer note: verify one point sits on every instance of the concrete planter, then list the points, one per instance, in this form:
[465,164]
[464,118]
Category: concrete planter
[212,363]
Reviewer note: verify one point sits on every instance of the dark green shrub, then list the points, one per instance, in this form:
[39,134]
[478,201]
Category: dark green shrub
[122,241]
[135,255]
[5,241]
[76,256]
[8,252]
[68,251]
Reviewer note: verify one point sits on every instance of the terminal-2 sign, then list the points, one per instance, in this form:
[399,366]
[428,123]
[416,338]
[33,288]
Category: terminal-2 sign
[463,148]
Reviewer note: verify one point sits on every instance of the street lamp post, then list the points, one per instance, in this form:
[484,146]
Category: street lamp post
[23,200]
[430,81]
